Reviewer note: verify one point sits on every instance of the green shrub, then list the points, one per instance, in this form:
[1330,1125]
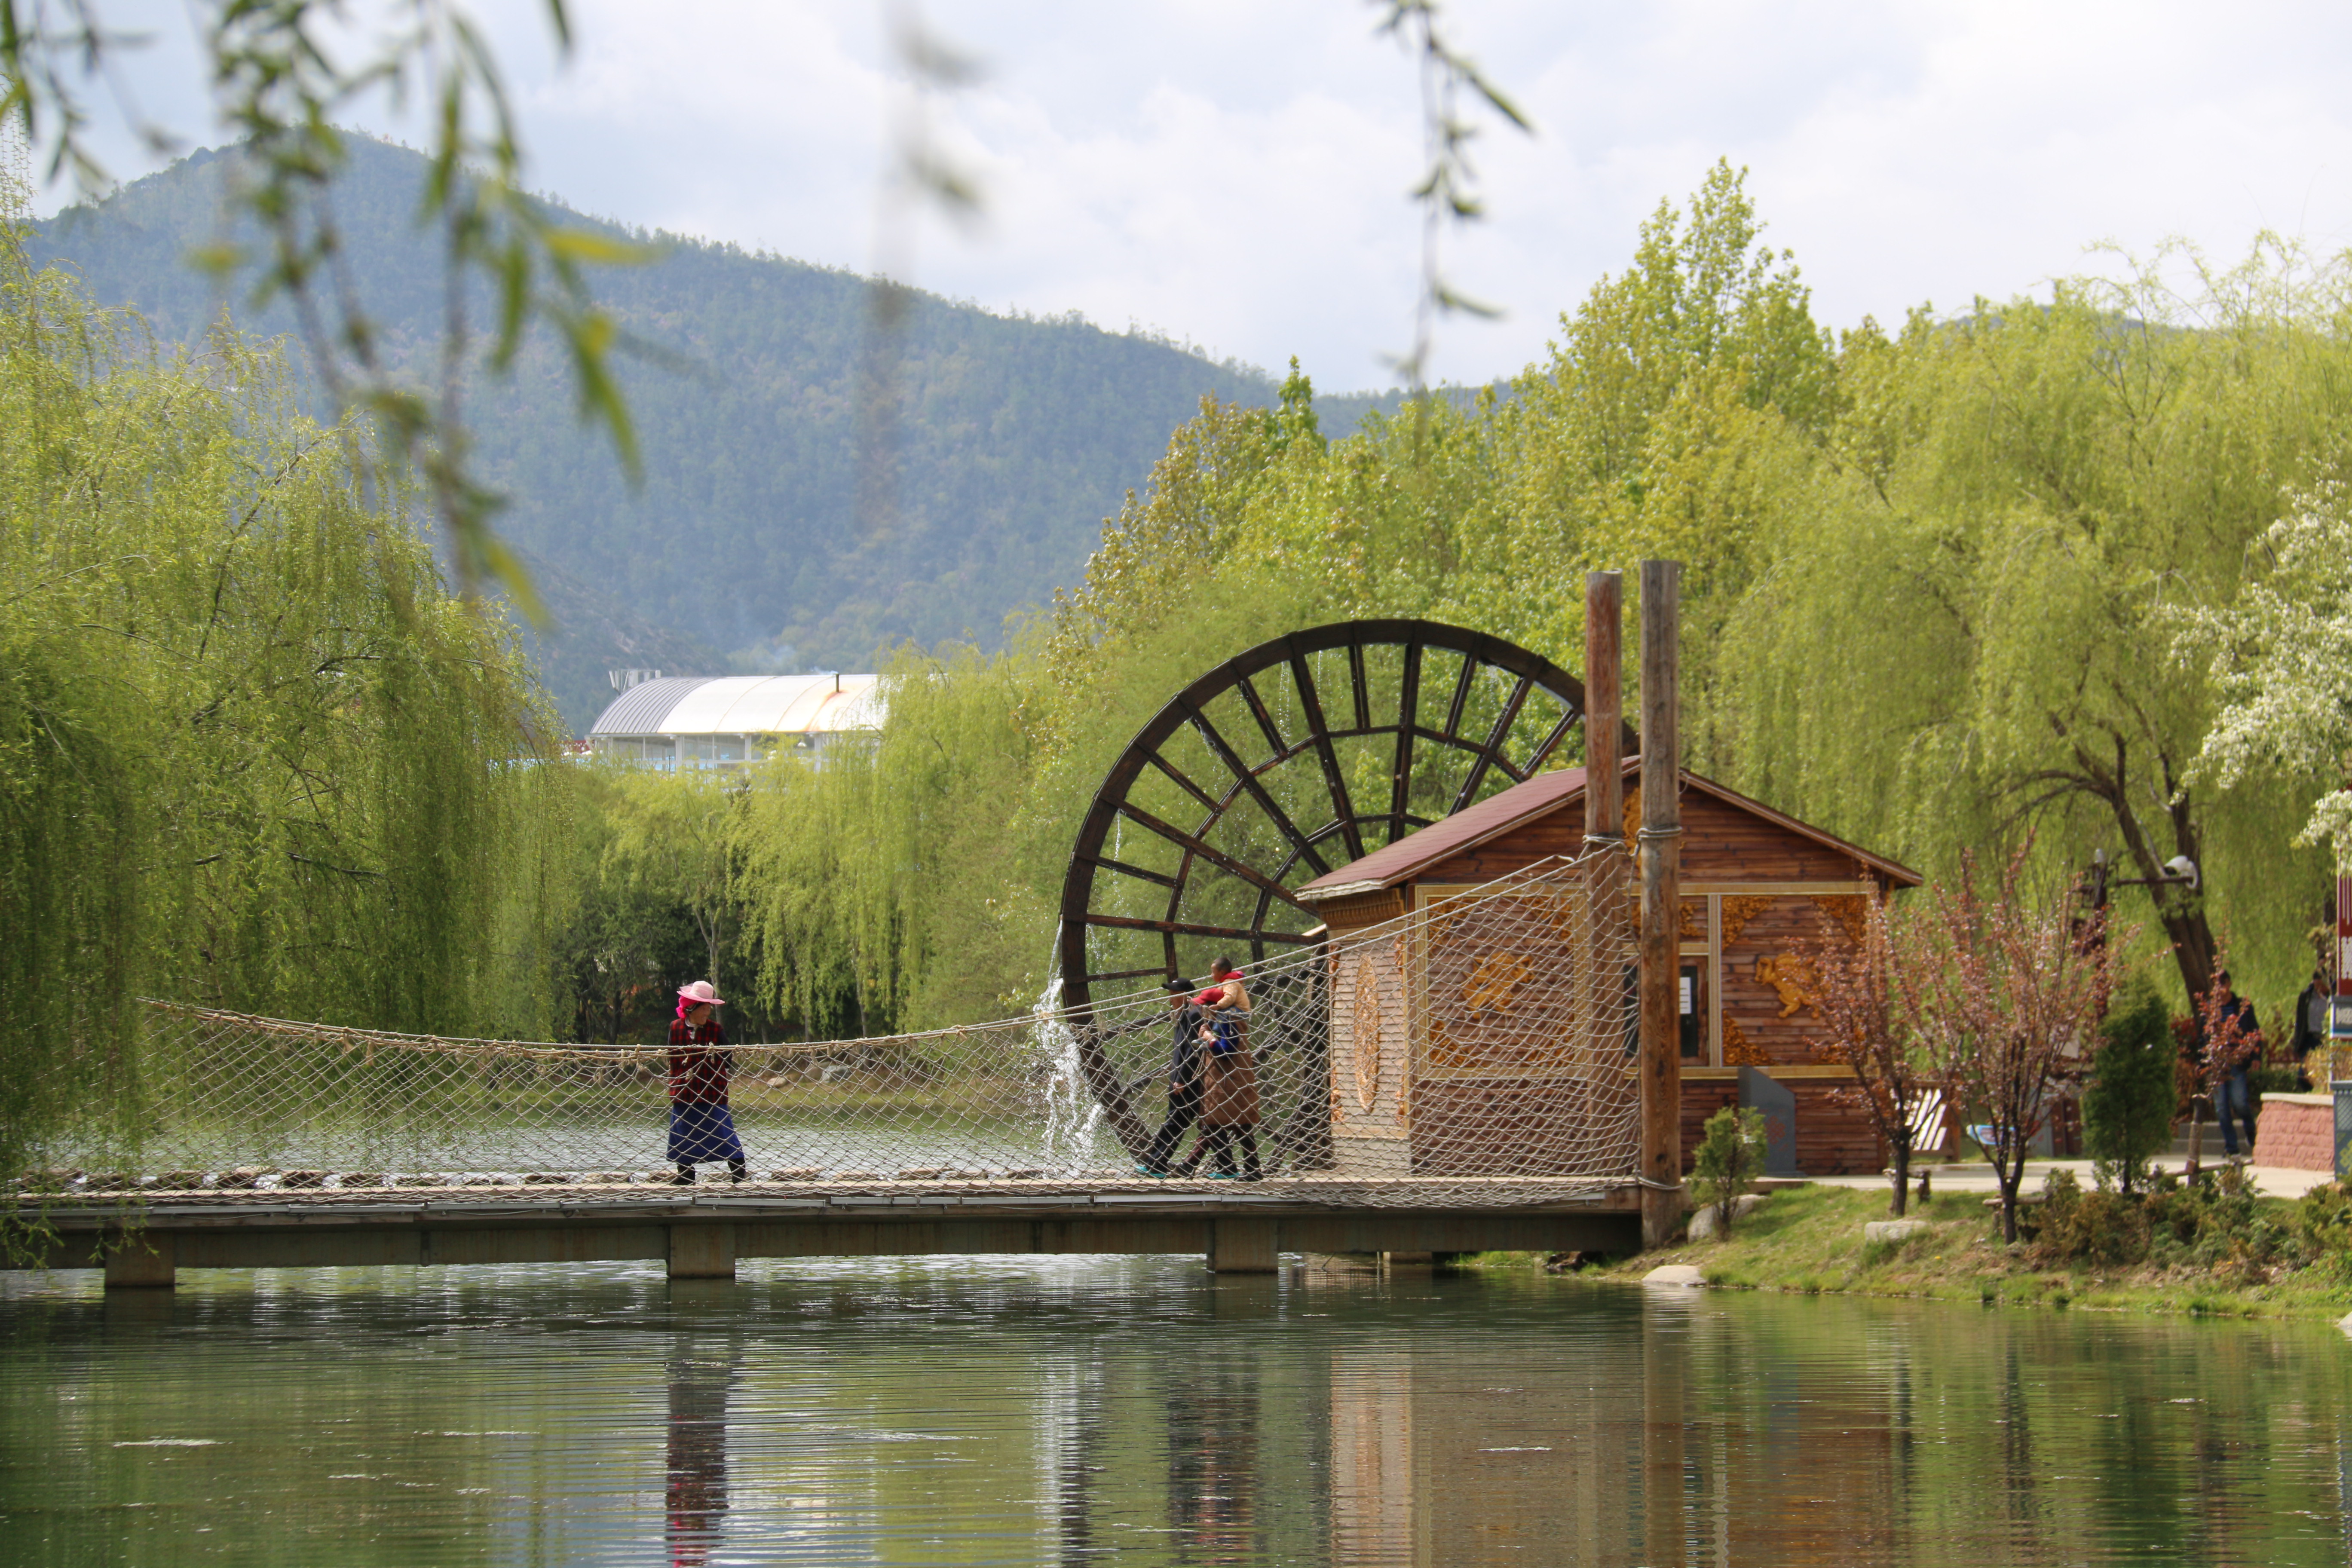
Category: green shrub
[1730,1157]
[2323,1221]
[2127,1108]
[2218,1221]
[2108,1228]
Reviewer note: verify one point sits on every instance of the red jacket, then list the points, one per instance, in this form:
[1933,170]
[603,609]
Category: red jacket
[697,1077]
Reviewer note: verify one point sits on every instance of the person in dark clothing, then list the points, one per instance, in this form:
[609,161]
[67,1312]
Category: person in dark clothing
[701,1127]
[2237,1039]
[1183,1081]
[2314,1011]
[1230,1105]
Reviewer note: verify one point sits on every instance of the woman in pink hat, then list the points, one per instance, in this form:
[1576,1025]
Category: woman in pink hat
[701,1125]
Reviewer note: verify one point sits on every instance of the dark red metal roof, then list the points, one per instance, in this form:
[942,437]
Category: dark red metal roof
[1539,797]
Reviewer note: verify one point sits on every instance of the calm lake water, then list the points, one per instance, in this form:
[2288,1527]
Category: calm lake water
[996,1410]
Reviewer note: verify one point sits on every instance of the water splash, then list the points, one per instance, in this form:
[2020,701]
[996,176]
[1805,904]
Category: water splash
[1071,1110]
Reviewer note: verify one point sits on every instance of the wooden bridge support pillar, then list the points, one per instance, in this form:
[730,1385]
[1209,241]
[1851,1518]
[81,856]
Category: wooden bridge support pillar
[1661,1067]
[702,1252]
[1243,1247]
[141,1260]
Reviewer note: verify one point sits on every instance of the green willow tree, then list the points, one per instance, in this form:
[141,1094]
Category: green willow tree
[252,754]
[886,884]
[1966,633]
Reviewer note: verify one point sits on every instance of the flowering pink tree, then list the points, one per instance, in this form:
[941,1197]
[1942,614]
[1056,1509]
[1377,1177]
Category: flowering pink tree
[2009,992]
[1870,1006]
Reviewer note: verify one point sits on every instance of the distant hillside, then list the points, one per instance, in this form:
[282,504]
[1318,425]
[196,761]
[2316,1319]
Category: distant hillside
[1015,437]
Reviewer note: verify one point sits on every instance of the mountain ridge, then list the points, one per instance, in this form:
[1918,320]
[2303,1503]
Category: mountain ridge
[1007,440]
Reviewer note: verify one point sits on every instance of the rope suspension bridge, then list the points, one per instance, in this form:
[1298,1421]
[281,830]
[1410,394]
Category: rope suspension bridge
[264,1124]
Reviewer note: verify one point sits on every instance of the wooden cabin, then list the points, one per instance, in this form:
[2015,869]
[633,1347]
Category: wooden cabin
[1758,889]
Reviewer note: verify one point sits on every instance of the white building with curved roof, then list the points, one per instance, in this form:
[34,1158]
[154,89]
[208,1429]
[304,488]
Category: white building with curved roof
[731,721]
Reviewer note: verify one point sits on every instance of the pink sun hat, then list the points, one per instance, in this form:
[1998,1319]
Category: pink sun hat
[701,991]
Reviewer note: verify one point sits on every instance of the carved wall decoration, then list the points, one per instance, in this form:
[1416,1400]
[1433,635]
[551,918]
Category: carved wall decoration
[1851,910]
[1792,978]
[1739,1050]
[1496,980]
[1738,911]
[1366,1027]
[1694,919]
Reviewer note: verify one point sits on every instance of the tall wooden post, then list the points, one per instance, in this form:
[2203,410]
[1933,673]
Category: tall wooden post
[1604,709]
[1661,844]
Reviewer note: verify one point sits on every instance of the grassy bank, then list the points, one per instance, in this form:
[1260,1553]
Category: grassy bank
[1808,1241]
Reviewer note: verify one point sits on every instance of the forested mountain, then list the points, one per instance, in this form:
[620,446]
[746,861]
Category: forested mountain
[1013,438]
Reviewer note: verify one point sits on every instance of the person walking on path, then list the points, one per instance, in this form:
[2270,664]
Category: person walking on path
[1183,1081]
[1230,1111]
[2234,1040]
[701,1127]
[2313,1013]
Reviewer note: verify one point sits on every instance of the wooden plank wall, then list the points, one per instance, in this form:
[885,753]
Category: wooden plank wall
[1832,1140]
[1721,843]
[1768,981]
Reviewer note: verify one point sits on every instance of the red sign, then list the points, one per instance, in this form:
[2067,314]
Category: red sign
[2340,1023]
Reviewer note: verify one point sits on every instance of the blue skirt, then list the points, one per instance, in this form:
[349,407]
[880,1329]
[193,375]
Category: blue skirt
[702,1130]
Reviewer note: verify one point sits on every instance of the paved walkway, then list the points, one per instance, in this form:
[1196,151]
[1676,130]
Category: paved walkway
[2271,1180]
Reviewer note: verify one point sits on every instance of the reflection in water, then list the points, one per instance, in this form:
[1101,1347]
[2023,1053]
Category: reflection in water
[1023,1412]
[1371,1456]
[1213,1461]
[697,1495]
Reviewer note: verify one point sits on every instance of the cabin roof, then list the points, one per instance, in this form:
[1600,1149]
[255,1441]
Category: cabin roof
[1498,814]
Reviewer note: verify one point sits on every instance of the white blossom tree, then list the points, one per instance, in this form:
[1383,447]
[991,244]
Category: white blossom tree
[2279,661]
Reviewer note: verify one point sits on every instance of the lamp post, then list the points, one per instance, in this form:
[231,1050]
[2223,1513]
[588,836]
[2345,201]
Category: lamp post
[2177,873]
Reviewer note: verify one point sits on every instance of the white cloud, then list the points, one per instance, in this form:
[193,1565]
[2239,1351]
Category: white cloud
[1234,172]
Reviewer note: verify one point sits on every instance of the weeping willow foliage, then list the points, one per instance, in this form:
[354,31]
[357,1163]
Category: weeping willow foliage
[1969,632]
[252,755]
[886,882]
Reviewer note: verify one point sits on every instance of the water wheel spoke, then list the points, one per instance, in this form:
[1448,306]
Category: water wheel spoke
[1106,863]
[1217,858]
[1201,928]
[1490,752]
[1361,686]
[1278,749]
[1343,810]
[1471,665]
[1258,790]
[1408,710]
[1208,801]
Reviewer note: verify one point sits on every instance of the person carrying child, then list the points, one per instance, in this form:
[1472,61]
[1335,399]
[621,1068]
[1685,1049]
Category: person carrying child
[1230,1111]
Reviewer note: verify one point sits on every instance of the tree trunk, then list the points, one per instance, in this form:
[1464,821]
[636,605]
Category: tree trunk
[2182,914]
[2011,1179]
[1902,1172]
[2196,1137]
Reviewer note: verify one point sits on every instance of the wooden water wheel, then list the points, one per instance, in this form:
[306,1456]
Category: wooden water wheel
[1300,755]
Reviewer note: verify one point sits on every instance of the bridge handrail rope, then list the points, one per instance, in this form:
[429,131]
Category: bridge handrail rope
[1474,1044]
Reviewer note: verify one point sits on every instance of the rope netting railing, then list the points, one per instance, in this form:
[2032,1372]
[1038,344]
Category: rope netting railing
[1472,1051]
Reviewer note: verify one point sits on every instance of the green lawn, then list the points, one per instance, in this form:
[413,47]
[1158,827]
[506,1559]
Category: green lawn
[1808,1241]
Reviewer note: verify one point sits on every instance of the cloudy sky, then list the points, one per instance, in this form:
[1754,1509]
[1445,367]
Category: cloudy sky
[1232,173]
